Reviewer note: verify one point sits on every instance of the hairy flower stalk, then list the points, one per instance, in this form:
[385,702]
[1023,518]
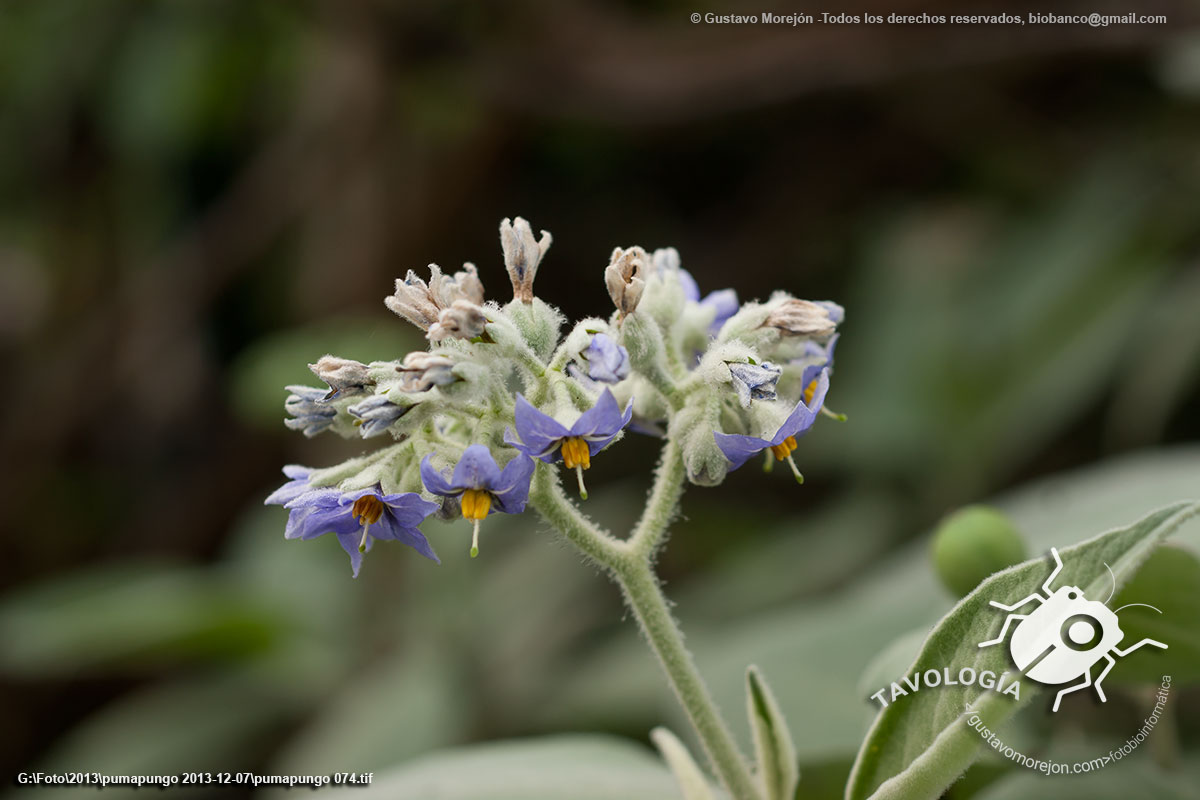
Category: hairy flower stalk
[719,382]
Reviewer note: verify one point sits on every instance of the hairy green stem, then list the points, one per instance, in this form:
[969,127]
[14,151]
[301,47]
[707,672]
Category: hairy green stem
[669,481]
[529,360]
[674,360]
[665,384]
[643,339]
[645,597]
[629,564]
[547,496]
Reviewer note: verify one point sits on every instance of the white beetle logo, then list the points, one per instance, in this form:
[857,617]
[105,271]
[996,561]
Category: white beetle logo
[1065,636]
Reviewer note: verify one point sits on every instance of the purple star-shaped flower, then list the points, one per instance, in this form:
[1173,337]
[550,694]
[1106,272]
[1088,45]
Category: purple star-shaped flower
[545,438]
[483,486]
[542,435]
[357,518]
[739,449]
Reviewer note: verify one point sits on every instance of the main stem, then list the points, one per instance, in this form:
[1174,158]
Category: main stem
[645,597]
[629,564]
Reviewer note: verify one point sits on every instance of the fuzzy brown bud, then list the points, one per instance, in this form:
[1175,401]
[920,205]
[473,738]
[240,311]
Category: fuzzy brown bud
[795,317]
[462,320]
[522,255]
[625,278]
[422,370]
[448,307]
[342,374]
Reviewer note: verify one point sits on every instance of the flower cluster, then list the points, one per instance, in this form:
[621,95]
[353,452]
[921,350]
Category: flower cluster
[502,396]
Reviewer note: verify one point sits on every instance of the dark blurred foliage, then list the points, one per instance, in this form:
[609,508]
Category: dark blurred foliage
[198,198]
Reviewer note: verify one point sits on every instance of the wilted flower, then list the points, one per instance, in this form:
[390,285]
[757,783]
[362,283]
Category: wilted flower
[310,413]
[481,486]
[607,361]
[754,381]
[545,438]
[342,374]
[356,518]
[422,370]
[463,285]
[522,255]
[625,278]
[462,320]
[795,317]
[413,301]
[738,448]
[424,304]
[376,414]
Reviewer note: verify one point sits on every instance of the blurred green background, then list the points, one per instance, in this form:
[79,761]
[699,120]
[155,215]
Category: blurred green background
[197,199]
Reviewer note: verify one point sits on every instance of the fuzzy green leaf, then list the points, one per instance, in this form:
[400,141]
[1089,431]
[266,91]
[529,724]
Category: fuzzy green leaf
[688,774]
[549,768]
[918,746]
[1168,582]
[775,754]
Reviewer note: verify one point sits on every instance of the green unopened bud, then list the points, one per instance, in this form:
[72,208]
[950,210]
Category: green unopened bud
[663,296]
[971,544]
[693,428]
[538,323]
[643,339]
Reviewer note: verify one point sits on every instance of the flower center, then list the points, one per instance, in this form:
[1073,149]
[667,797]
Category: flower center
[809,391]
[784,449]
[476,503]
[575,453]
[367,509]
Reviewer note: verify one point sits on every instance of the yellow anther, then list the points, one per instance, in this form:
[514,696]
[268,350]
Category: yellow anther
[784,449]
[367,509]
[575,453]
[809,391]
[476,503]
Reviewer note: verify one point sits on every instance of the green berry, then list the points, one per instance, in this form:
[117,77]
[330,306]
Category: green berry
[971,544]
